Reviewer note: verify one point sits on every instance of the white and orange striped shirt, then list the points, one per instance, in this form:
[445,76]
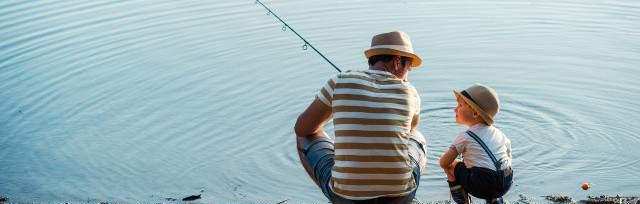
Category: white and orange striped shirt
[372,116]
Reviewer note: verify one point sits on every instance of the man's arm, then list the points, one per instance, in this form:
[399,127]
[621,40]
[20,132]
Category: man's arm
[414,122]
[309,127]
[310,122]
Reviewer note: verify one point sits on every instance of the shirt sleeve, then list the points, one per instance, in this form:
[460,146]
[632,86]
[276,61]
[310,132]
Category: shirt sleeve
[460,143]
[325,95]
[416,102]
[508,145]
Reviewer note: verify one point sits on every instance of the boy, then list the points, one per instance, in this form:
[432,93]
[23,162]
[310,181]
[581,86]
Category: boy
[485,171]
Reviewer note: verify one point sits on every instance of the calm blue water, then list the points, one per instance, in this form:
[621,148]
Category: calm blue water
[146,100]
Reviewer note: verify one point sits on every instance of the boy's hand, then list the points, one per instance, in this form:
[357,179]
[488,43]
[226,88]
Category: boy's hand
[448,162]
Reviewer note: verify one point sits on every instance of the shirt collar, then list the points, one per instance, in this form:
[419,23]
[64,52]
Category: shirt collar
[478,126]
[380,72]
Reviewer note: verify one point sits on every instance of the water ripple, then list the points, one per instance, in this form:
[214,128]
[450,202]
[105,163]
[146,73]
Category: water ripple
[130,97]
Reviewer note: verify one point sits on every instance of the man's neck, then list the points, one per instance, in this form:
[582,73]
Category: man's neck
[381,68]
[378,68]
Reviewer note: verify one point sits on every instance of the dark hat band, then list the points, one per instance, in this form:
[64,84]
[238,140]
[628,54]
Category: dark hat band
[465,94]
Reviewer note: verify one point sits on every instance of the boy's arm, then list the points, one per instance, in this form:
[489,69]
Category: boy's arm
[448,158]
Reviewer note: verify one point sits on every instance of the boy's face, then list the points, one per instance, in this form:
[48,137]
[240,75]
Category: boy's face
[464,113]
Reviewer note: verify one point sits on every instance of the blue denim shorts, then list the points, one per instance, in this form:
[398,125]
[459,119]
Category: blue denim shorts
[319,154]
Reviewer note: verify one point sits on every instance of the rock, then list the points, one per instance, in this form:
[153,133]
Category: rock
[558,198]
[604,199]
[192,197]
[524,199]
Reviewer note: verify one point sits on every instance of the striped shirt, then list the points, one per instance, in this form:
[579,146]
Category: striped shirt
[372,115]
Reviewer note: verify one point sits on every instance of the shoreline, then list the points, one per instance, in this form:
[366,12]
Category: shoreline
[555,199]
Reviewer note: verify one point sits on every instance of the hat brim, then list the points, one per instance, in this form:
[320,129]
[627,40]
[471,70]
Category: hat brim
[415,62]
[486,117]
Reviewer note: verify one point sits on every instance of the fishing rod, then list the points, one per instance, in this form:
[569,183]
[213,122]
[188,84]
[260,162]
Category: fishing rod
[304,47]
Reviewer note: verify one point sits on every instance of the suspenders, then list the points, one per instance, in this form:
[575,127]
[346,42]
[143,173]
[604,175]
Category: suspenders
[504,177]
[486,149]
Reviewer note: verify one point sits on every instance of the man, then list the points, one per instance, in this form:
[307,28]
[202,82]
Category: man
[378,155]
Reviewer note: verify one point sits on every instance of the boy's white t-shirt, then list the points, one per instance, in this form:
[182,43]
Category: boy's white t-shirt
[475,156]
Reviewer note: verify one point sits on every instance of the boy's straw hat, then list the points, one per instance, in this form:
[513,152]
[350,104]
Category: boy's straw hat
[482,99]
[393,43]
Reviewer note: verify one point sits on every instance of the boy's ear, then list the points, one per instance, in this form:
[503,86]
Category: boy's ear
[477,116]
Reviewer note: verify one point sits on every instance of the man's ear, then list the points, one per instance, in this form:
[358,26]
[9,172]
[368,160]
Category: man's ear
[398,61]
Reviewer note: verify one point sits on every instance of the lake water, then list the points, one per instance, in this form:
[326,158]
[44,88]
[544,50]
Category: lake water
[147,100]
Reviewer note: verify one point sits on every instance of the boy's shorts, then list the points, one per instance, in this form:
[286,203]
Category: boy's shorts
[319,154]
[482,182]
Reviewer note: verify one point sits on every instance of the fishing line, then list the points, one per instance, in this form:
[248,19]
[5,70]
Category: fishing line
[306,43]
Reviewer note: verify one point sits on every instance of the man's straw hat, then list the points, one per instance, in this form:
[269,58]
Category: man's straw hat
[393,43]
[482,99]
